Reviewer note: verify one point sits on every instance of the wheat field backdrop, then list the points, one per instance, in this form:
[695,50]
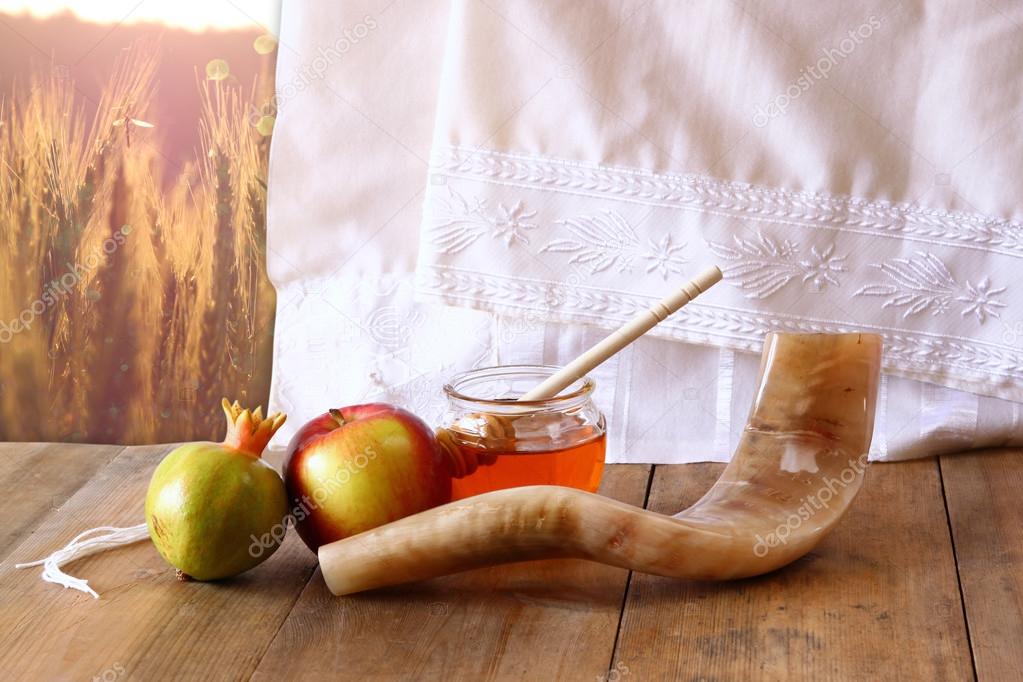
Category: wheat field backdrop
[131,297]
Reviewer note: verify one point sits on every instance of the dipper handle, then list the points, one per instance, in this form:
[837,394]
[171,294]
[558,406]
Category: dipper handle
[623,336]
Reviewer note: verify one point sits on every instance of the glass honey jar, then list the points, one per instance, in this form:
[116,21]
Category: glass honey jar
[498,442]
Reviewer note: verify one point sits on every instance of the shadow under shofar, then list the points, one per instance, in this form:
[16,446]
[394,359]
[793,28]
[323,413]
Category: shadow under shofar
[798,465]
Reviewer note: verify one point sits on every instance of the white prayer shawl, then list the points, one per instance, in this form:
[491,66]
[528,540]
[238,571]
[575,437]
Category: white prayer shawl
[466,183]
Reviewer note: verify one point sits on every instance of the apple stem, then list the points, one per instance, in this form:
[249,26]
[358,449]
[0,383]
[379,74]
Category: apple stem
[338,417]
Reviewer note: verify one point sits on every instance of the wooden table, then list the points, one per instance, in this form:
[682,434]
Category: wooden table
[923,580]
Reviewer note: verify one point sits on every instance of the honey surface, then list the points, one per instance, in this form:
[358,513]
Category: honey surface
[578,466]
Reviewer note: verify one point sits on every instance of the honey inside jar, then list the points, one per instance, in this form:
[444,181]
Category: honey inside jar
[502,443]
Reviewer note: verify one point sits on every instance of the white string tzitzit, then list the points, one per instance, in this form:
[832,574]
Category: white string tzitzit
[247,431]
[83,546]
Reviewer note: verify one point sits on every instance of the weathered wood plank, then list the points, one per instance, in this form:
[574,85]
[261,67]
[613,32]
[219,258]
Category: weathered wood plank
[147,626]
[878,599]
[982,492]
[553,620]
[37,478]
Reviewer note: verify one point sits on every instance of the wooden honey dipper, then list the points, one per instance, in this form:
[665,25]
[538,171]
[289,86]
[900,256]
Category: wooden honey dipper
[501,427]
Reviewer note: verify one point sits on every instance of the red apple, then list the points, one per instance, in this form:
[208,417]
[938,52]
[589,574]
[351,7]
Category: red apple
[359,467]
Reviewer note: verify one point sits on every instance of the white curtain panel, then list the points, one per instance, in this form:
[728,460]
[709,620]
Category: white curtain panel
[458,184]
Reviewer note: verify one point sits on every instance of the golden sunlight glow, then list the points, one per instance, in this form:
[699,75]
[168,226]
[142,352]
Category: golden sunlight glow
[195,15]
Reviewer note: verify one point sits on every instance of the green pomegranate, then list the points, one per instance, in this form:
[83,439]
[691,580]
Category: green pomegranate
[216,509]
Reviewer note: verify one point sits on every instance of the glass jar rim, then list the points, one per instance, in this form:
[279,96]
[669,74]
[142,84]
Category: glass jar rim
[586,386]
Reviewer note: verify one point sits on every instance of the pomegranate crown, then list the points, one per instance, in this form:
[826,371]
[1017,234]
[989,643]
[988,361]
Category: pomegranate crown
[247,430]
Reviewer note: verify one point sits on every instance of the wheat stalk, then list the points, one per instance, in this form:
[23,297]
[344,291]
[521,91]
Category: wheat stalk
[143,345]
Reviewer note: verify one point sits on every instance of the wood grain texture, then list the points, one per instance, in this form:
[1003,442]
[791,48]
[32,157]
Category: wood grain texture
[36,479]
[553,620]
[982,492]
[147,625]
[877,599]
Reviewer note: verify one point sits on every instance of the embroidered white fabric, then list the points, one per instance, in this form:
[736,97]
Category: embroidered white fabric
[587,156]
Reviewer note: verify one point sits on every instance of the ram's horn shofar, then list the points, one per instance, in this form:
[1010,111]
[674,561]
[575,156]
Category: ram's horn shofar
[797,467]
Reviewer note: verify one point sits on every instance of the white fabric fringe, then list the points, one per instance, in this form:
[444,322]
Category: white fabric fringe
[83,546]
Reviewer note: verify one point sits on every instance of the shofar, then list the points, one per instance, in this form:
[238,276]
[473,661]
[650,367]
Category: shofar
[798,465]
